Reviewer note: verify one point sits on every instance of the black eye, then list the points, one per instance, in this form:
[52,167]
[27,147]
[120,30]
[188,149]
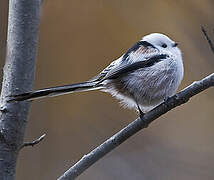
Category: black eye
[164,45]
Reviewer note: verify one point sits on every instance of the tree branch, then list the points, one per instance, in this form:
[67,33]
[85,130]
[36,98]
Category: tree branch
[37,141]
[19,69]
[208,39]
[172,102]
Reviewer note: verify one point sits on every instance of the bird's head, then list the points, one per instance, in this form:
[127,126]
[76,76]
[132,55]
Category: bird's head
[163,43]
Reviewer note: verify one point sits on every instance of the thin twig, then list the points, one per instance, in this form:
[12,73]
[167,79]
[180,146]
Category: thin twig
[208,39]
[33,142]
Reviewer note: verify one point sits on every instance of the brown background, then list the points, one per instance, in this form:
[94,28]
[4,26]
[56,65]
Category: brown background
[80,37]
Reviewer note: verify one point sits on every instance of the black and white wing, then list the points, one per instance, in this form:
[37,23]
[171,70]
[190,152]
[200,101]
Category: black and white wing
[142,54]
[111,66]
[141,51]
[127,68]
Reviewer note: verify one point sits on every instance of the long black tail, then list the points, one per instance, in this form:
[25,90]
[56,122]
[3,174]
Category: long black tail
[55,91]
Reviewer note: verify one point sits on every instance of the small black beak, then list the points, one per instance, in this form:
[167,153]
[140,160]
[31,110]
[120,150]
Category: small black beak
[175,44]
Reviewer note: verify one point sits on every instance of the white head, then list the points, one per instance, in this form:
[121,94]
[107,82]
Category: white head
[162,42]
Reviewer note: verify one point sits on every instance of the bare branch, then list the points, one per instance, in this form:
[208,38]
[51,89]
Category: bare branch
[172,102]
[208,39]
[33,142]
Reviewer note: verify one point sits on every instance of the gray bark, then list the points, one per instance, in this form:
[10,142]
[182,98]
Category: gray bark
[134,127]
[19,69]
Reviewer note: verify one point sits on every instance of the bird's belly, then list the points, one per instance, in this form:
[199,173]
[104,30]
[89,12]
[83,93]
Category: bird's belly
[147,87]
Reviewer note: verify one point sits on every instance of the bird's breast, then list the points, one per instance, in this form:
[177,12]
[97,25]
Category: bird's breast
[148,86]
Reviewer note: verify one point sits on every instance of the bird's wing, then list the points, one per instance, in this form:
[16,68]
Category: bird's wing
[127,68]
[102,74]
[141,51]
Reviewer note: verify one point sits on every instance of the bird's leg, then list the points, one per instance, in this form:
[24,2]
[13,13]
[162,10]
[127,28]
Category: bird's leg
[141,114]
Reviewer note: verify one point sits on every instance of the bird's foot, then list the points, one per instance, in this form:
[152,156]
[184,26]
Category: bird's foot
[166,98]
[141,115]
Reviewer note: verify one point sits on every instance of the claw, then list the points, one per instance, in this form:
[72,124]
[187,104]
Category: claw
[166,98]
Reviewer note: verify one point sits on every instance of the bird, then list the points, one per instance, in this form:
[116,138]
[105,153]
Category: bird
[142,78]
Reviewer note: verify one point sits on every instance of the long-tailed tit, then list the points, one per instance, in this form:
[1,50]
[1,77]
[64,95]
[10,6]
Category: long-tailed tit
[141,78]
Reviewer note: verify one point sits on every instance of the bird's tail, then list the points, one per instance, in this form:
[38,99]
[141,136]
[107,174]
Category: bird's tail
[56,91]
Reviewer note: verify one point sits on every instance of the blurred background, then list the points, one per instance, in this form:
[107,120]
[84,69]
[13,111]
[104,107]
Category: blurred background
[78,38]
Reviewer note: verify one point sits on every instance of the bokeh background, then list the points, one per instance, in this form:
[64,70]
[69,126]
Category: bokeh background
[77,39]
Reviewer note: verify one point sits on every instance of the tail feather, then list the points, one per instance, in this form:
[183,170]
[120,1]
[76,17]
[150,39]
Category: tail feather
[55,91]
